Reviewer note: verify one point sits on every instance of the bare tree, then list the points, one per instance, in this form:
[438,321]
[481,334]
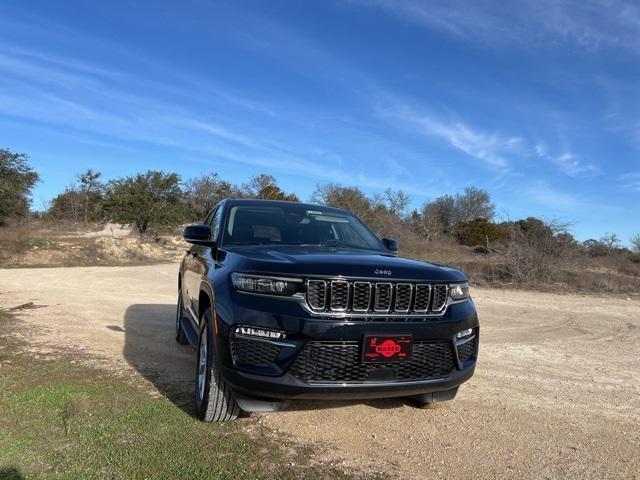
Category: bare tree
[611,241]
[472,204]
[348,198]
[91,190]
[397,202]
[204,192]
[266,187]
[440,213]
[448,212]
[635,242]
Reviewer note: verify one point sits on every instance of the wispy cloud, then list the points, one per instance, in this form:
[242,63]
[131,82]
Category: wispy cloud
[491,148]
[495,149]
[81,97]
[567,162]
[587,25]
[631,181]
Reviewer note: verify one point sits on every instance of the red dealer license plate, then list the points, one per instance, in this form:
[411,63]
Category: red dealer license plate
[386,348]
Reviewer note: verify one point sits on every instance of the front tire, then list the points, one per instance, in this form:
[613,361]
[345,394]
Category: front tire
[428,399]
[181,337]
[215,401]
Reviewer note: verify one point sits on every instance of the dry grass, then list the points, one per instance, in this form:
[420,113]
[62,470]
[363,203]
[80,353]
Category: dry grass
[53,244]
[577,273]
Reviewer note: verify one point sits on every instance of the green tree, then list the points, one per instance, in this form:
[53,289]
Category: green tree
[17,178]
[480,232]
[147,199]
[635,242]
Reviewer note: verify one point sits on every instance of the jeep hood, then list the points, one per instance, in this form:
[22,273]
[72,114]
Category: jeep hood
[339,261]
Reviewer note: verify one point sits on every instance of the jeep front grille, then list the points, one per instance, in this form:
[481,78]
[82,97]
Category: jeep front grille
[376,298]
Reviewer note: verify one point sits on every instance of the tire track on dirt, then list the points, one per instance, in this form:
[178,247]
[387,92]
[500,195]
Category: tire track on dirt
[556,391]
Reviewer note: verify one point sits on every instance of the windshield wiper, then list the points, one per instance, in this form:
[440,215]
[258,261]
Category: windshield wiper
[332,243]
[337,243]
[244,243]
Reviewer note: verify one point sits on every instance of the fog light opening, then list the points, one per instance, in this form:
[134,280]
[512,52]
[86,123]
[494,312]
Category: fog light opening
[465,333]
[260,332]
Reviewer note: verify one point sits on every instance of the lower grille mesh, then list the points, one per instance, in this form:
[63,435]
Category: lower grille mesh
[467,350]
[253,352]
[339,362]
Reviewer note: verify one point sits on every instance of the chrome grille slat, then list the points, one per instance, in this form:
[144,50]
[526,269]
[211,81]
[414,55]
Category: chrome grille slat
[382,298]
[402,302]
[316,294]
[361,298]
[440,295]
[422,297]
[339,300]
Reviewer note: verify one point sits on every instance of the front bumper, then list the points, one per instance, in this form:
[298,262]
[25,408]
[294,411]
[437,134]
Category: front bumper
[276,379]
[287,387]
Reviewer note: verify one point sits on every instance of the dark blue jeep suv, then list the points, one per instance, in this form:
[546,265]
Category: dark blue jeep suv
[285,300]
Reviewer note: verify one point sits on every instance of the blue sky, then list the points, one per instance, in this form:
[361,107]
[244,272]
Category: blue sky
[538,103]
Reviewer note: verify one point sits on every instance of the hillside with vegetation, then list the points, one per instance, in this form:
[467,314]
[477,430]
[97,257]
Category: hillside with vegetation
[137,219]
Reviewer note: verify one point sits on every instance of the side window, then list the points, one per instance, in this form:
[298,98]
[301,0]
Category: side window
[214,223]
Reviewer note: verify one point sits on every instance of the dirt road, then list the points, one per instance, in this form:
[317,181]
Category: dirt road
[556,393]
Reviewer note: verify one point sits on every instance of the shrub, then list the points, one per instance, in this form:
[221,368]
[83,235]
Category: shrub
[480,232]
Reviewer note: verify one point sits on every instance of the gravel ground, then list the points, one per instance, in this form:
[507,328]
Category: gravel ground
[556,392]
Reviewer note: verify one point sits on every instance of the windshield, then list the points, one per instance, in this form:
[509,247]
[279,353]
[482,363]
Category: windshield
[296,225]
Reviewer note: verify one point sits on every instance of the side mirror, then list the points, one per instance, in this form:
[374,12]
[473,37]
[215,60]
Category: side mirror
[198,235]
[391,244]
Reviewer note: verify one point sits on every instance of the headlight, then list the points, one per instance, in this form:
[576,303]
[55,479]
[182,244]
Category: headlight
[259,332]
[465,333]
[265,285]
[459,291]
